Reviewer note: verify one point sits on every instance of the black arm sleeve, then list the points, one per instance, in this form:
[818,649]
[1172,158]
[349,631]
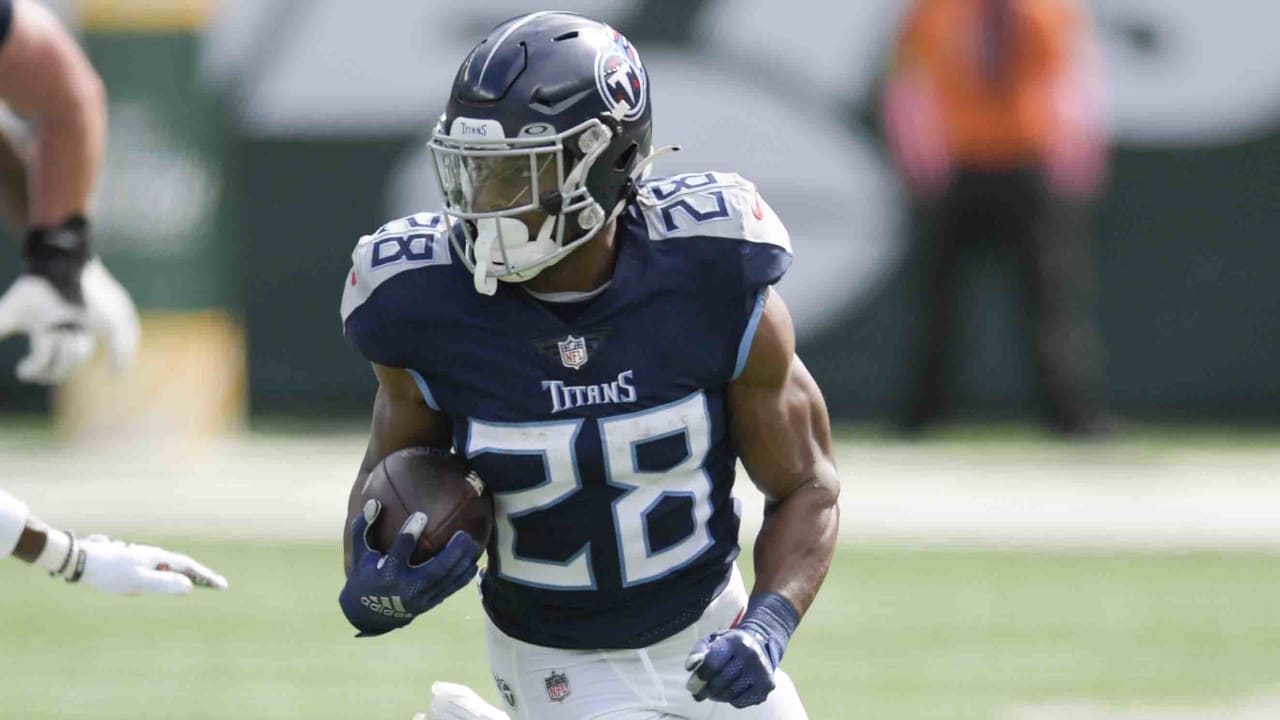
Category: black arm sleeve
[6,19]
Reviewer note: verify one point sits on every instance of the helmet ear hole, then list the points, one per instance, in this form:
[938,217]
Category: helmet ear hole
[626,158]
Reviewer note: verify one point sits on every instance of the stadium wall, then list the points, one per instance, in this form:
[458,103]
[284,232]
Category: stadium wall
[323,140]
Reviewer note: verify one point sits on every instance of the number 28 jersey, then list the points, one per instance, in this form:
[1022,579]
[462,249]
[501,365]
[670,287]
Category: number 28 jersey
[602,432]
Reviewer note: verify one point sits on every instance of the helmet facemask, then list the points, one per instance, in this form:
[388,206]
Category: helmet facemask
[494,187]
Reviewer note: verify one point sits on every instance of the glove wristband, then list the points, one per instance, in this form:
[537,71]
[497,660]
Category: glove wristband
[75,568]
[57,551]
[773,619]
[59,254]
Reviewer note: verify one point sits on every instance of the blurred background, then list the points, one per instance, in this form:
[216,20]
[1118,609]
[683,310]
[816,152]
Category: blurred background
[994,567]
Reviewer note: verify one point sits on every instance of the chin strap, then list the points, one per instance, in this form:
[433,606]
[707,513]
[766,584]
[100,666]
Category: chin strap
[506,232]
[483,250]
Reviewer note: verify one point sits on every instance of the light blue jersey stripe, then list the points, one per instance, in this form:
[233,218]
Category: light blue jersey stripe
[744,347]
[425,390]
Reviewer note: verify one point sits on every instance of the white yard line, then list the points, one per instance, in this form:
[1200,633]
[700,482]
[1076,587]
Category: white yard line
[978,495]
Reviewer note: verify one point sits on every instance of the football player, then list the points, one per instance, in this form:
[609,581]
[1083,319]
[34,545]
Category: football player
[64,299]
[103,564]
[602,349]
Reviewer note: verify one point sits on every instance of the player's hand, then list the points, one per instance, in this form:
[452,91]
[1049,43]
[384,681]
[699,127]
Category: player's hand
[119,568]
[385,592]
[731,667]
[737,666]
[64,301]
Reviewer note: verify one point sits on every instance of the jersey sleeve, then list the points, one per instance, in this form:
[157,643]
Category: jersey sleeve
[13,519]
[744,244]
[6,20]
[717,207]
[371,312]
[766,254]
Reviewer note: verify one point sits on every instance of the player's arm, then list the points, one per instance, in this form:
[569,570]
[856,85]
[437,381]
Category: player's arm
[783,435]
[65,297]
[46,78]
[13,180]
[102,564]
[401,419]
[780,426]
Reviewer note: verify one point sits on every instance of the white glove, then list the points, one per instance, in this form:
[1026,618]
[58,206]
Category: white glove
[63,334]
[450,701]
[114,567]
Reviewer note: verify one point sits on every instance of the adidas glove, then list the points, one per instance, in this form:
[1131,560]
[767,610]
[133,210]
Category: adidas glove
[63,300]
[737,666]
[385,592]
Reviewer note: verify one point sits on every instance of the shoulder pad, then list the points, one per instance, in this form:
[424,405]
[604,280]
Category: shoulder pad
[416,241]
[710,204]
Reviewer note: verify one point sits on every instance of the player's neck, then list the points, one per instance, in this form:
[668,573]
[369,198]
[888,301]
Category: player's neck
[585,269]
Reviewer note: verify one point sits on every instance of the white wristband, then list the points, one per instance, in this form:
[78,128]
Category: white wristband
[13,520]
[57,551]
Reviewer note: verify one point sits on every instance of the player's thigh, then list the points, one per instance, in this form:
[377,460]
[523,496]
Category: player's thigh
[548,684]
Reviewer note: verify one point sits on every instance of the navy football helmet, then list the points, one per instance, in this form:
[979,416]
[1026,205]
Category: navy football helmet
[548,127]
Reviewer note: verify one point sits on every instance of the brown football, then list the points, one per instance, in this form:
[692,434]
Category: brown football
[429,481]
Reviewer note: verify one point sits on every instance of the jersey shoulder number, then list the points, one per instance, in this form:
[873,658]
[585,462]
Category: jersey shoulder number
[407,243]
[723,206]
[710,204]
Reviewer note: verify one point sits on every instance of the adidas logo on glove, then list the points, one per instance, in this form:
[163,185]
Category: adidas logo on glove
[389,606]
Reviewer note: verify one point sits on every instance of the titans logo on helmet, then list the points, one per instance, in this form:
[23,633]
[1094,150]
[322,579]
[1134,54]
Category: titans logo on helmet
[620,76]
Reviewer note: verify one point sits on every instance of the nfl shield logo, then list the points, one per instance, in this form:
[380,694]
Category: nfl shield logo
[557,686]
[573,352]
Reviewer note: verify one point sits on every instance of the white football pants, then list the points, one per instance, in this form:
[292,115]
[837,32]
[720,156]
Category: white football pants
[647,684]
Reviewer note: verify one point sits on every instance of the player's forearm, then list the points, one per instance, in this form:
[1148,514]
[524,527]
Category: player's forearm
[31,543]
[14,198]
[400,420]
[68,154]
[794,548]
[46,78]
[353,508]
[25,538]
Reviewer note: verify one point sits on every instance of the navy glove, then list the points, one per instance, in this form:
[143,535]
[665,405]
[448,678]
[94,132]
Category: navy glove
[737,666]
[385,592]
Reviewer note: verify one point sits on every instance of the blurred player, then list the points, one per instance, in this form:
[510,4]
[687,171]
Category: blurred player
[103,564]
[994,117]
[602,349]
[64,298]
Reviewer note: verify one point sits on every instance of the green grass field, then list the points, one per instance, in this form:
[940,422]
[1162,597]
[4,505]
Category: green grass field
[897,634]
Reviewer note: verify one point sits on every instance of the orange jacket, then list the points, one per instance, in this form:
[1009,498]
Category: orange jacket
[992,119]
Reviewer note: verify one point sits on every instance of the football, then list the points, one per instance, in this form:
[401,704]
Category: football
[438,484]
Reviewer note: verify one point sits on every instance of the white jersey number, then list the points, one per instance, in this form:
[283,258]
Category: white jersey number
[621,436]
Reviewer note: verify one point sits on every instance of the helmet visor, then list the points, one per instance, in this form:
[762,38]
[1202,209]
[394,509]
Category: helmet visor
[492,183]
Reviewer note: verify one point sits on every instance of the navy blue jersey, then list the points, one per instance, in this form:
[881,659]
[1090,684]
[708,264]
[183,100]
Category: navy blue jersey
[602,432]
[6,19]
